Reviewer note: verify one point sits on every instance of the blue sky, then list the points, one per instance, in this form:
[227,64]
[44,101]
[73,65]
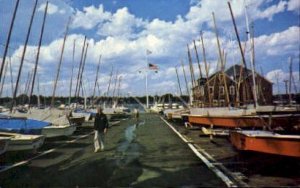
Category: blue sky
[122,30]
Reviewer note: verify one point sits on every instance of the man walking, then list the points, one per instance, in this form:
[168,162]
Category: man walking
[100,127]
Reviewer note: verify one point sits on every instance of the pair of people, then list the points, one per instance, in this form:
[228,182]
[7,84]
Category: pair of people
[100,127]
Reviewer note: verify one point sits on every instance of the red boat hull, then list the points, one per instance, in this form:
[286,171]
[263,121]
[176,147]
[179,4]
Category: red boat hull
[244,121]
[286,146]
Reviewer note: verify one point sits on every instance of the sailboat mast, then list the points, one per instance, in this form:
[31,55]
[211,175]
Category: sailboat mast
[251,58]
[83,65]
[59,64]
[71,81]
[191,67]
[38,52]
[111,74]
[3,80]
[178,81]
[11,77]
[96,80]
[23,56]
[115,84]
[198,61]
[240,46]
[221,60]
[8,38]
[186,83]
[206,67]
[80,65]
[290,79]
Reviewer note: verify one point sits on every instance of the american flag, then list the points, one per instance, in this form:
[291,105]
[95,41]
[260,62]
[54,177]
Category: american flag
[152,66]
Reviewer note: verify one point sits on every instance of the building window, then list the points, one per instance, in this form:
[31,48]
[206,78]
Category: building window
[215,102]
[221,90]
[211,90]
[231,90]
[202,91]
[222,102]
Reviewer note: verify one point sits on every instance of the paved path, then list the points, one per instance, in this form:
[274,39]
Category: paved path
[144,155]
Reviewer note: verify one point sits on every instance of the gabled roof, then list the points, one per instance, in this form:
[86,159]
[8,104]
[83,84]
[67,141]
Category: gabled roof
[234,70]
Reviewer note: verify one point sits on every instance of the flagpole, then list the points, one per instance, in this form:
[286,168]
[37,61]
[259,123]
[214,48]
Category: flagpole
[147,66]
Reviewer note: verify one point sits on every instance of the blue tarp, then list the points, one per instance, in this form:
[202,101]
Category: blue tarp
[23,126]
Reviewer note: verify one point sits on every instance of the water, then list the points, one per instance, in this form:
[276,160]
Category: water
[129,149]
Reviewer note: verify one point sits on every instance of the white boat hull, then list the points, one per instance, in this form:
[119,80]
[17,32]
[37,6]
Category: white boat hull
[57,131]
[20,142]
[4,142]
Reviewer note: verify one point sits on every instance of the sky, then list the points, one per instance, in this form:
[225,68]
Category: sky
[122,31]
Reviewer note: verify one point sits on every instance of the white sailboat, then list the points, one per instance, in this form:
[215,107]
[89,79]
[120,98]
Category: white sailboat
[21,142]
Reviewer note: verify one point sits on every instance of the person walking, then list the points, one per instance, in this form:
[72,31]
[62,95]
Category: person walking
[100,127]
[136,114]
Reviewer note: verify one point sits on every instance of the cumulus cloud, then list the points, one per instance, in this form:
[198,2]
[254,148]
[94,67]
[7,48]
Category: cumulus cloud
[278,76]
[293,5]
[52,9]
[90,17]
[124,39]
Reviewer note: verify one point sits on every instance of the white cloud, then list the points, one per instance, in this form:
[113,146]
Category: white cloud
[125,38]
[122,23]
[90,17]
[52,9]
[294,5]
[278,44]
[278,76]
[272,10]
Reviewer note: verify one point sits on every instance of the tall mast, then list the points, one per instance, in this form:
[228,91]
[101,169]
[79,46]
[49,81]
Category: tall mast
[186,83]
[221,60]
[11,77]
[115,85]
[96,80]
[23,56]
[198,61]
[59,64]
[251,58]
[8,38]
[191,67]
[38,52]
[38,90]
[71,81]
[178,81]
[111,74]
[206,67]
[240,46]
[119,88]
[290,80]
[80,65]
[3,80]
[83,65]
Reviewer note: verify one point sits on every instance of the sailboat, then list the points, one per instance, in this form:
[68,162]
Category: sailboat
[4,141]
[21,142]
[266,142]
[239,112]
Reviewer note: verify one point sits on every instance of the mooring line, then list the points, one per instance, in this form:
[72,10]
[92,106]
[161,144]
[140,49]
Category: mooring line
[211,166]
[43,153]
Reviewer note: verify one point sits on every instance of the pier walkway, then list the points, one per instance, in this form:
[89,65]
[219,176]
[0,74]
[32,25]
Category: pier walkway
[148,154]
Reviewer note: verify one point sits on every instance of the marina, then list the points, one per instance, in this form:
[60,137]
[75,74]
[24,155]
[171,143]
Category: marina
[144,94]
[135,158]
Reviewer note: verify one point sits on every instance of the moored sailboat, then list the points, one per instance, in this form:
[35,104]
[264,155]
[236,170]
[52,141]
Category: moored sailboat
[266,142]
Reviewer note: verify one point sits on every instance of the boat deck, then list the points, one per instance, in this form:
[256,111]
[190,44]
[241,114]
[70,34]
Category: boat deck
[149,154]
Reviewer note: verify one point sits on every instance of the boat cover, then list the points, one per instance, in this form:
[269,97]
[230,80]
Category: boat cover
[22,125]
